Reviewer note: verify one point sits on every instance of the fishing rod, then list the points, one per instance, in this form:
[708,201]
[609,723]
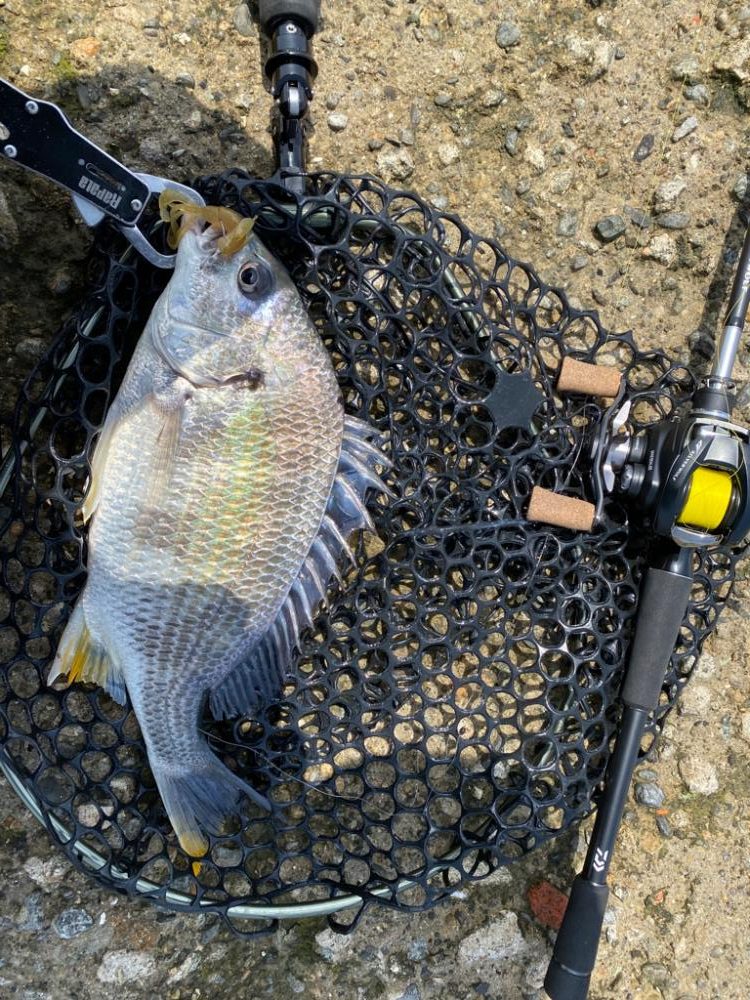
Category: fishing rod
[690,477]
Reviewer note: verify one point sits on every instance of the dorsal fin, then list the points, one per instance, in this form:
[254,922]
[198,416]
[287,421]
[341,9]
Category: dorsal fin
[261,674]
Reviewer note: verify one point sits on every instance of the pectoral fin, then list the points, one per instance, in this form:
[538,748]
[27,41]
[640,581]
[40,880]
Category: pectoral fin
[98,464]
[165,452]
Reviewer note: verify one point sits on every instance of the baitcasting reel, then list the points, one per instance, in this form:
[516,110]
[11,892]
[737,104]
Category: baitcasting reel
[689,479]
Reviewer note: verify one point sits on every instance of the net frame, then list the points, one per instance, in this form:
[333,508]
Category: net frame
[455,703]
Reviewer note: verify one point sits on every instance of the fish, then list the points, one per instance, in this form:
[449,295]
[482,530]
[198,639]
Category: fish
[225,485]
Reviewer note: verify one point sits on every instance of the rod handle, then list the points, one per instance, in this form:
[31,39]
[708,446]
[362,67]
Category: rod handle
[273,12]
[574,955]
[663,601]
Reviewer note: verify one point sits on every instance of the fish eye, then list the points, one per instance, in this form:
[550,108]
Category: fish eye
[254,279]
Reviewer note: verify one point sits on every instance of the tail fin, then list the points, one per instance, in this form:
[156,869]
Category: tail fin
[80,658]
[199,799]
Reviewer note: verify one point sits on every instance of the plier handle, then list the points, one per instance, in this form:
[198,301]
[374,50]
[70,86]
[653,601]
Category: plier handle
[37,135]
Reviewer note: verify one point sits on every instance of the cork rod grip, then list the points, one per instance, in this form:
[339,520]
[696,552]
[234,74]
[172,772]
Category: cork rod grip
[592,380]
[562,511]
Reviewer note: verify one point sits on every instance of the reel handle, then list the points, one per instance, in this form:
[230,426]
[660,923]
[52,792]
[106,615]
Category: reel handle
[273,12]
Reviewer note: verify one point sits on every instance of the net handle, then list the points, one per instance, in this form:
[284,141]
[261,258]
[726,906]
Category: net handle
[304,12]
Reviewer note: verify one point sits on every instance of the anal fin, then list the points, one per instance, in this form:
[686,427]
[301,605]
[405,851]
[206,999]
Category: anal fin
[80,658]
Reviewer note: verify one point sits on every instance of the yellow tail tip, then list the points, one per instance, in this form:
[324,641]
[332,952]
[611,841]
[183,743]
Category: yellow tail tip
[194,844]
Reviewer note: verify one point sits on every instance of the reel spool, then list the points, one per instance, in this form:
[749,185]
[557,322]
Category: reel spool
[454,706]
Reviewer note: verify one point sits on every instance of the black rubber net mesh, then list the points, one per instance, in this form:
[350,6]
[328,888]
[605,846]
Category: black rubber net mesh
[454,706]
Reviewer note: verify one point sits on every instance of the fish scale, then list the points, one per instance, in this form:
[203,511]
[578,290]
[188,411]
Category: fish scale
[223,485]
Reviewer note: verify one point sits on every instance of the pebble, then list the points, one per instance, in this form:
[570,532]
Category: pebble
[658,975]
[699,94]
[48,875]
[152,151]
[185,80]
[332,101]
[568,224]
[508,34]
[686,128]
[745,726]
[31,916]
[120,967]
[495,942]
[332,947]
[644,148]
[664,826]
[695,699]
[417,949]
[687,69]
[667,194]
[375,144]
[601,58]
[699,775]
[448,154]
[85,96]
[674,220]
[649,794]
[337,121]
[194,121]
[740,188]
[30,348]
[410,993]
[185,968]
[84,49]
[511,141]
[734,62]
[646,774]
[578,262]
[71,923]
[638,217]
[493,98]
[610,227]
[243,22]
[661,249]
[442,100]
[535,157]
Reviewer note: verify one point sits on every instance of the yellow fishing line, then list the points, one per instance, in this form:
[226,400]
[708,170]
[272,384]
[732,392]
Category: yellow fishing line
[180,213]
[708,499]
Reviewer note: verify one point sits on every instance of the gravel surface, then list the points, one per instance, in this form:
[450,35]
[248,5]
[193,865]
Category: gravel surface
[604,142]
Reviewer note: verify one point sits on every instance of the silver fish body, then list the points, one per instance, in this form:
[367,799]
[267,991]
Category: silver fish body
[224,485]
